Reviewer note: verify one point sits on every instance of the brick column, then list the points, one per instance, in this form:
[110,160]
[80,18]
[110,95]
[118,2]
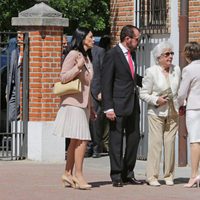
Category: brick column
[44,68]
[121,14]
[194,23]
[45,28]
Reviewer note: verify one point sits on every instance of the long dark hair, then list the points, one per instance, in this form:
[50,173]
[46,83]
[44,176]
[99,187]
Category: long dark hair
[77,41]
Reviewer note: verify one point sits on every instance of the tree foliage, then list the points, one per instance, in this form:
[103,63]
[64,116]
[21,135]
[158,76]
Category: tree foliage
[11,8]
[93,14]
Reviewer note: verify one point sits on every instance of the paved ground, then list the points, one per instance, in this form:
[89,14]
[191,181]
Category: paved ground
[28,180]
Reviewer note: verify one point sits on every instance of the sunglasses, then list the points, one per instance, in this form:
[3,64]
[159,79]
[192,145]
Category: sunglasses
[166,54]
[138,39]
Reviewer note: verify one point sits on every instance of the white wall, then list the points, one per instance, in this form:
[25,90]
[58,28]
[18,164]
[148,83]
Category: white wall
[43,145]
[173,37]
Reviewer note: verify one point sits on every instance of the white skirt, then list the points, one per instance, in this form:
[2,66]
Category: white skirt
[193,125]
[72,122]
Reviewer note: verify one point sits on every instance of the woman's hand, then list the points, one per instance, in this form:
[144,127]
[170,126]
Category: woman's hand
[80,61]
[162,100]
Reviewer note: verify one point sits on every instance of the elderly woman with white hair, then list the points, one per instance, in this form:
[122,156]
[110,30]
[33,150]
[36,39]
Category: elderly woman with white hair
[159,91]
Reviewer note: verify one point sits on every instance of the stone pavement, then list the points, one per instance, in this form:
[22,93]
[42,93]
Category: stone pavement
[28,180]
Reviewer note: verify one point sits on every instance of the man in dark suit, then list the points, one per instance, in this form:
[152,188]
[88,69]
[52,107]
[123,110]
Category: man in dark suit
[13,82]
[121,105]
[97,125]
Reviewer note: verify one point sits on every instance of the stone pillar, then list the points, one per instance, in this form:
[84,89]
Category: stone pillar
[45,28]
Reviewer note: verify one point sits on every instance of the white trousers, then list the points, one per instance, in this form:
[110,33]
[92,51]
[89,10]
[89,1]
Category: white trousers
[162,132]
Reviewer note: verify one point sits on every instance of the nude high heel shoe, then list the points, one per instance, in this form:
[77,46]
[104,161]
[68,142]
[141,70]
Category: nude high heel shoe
[193,181]
[78,185]
[68,181]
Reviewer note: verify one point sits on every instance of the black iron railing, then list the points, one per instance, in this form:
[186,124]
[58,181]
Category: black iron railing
[151,16]
[13,106]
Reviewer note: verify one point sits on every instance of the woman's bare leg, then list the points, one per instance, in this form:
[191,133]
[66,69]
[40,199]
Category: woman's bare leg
[80,149]
[195,158]
[70,157]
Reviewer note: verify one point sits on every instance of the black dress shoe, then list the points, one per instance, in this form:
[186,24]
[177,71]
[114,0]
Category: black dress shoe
[133,181]
[96,155]
[96,152]
[117,183]
[88,154]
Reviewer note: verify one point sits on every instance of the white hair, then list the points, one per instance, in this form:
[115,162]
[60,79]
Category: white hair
[160,49]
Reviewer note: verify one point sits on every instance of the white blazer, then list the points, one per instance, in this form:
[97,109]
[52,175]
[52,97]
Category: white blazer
[154,83]
[190,86]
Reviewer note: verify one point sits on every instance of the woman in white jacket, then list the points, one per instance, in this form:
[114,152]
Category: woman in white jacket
[189,91]
[159,90]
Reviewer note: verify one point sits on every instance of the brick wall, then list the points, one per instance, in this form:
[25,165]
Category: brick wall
[44,70]
[194,20]
[122,13]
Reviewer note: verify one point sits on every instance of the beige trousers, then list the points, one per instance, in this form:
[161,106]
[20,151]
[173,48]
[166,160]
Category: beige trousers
[162,132]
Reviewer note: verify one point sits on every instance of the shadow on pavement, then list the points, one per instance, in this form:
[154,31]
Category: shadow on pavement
[100,183]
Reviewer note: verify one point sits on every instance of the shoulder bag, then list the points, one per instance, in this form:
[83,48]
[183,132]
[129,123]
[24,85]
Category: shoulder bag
[71,87]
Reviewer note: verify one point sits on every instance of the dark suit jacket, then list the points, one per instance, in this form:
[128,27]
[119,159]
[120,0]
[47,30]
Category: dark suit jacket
[97,59]
[14,71]
[13,85]
[119,89]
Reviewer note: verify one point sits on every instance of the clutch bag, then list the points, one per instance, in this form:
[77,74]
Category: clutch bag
[167,93]
[182,110]
[71,87]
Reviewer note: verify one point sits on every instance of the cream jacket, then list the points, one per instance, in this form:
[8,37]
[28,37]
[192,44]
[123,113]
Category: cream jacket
[190,86]
[153,85]
[70,71]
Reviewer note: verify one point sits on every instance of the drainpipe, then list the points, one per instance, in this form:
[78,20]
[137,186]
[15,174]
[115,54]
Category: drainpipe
[183,39]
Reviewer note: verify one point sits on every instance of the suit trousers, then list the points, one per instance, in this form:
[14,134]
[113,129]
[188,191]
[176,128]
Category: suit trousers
[98,128]
[123,163]
[162,132]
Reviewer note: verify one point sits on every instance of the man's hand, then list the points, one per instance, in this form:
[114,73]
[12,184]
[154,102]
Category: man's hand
[93,114]
[111,115]
[99,97]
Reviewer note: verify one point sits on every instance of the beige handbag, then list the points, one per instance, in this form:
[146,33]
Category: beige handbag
[71,87]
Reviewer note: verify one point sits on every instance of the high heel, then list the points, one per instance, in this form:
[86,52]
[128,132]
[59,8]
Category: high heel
[68,182]
[193,181]
[81,186]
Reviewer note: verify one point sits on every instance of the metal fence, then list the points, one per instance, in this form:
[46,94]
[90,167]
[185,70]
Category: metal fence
[143,61]
[13,97]
[151,16]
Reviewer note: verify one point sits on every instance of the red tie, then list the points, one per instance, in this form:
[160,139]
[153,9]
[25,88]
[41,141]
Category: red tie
[130,62]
